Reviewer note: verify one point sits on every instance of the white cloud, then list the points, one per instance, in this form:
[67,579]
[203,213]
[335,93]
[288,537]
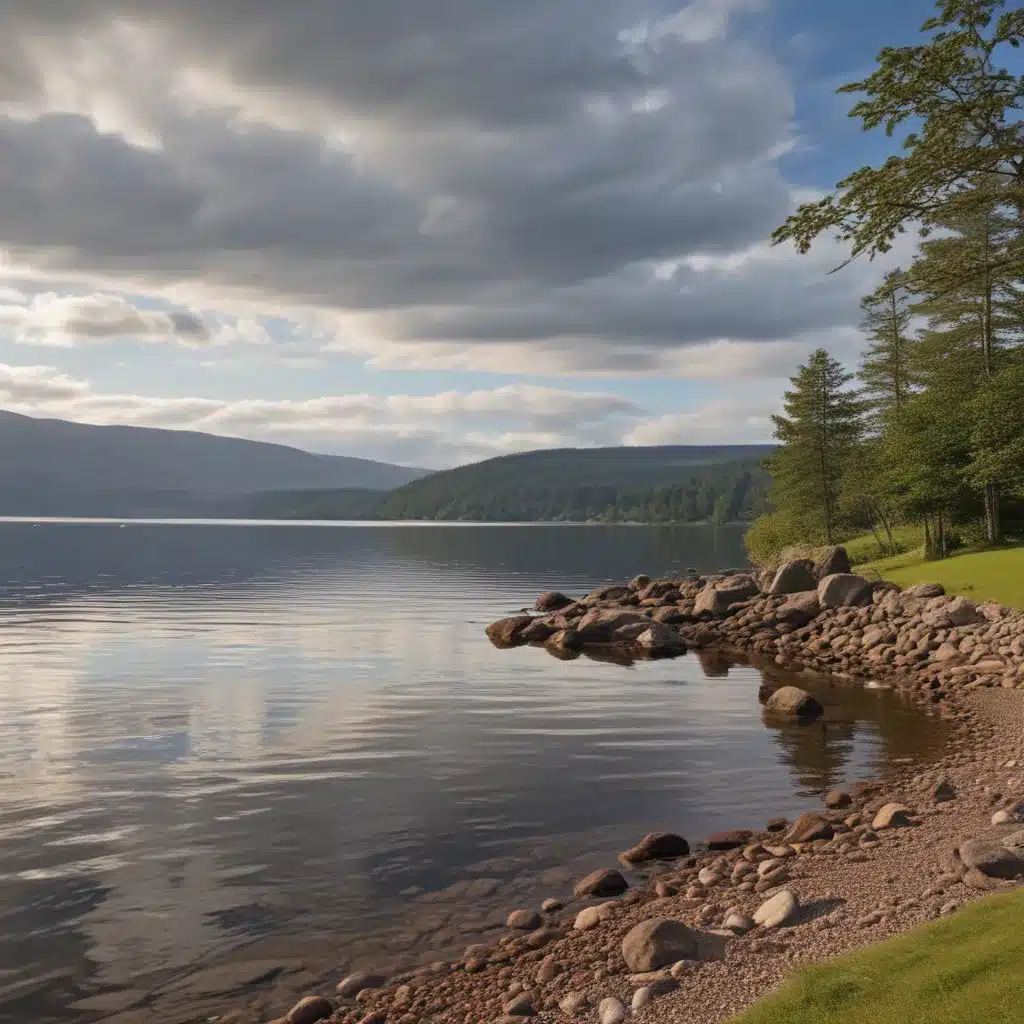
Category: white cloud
[443,428]
[65,320]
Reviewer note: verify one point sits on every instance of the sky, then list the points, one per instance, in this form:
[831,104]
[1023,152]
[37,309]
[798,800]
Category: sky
[427,231]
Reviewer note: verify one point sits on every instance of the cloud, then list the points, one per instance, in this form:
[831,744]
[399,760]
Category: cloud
[569,186]
[63,321]
[724,421]
[439,429]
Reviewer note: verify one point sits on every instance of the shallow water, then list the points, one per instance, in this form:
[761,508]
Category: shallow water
[217,734]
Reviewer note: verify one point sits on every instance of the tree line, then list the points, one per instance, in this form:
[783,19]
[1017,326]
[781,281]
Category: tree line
[929,430]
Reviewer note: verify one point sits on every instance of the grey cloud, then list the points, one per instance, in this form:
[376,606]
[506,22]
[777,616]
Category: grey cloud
[494,183]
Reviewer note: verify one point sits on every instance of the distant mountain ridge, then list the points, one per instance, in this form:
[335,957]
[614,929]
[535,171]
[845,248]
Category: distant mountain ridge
[57,467]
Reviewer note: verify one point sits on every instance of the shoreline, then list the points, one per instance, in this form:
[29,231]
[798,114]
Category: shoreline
[854,882]
[879,859]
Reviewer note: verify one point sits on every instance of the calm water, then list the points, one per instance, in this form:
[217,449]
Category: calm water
[214,734]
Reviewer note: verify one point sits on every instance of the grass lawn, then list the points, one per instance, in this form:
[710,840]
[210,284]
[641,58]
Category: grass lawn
[962,969]
[988,575]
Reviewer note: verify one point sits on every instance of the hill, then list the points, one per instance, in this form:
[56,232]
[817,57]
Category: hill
[662,484]
[56,467]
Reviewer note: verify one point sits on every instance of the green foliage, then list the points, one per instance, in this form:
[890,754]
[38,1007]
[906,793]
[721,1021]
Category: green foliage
[817,436]
[769,536]
[959,106]
[961,969]
[886,366]
[997,433]
[672,484]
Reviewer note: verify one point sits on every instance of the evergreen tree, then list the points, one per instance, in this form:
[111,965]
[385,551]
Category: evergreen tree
[817,437]
[885,368]
[961,107]
[968,294]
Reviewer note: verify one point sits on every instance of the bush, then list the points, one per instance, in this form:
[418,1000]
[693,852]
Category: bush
[769,536]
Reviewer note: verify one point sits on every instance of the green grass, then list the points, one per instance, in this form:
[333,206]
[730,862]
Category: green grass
[994,574]
[962,969]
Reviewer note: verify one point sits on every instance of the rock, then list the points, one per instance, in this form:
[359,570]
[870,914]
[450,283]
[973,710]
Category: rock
[834,561]
[924,591]
[809,827]
[505,632]
[1015,842]
[542,936]
[601,883]
[609,592]
[961,612]
[709,876]
[661,639]
[351,986]
[716,600]
[552,601]
[943,791]
[590,917]
[551,905]
[656,846]
[799,609]
[891,815]
[777,911]
[777,824]
[598,625]
[991,860]
[793,577]
[837,799]
[536,632]
[524,920]
[843,590]
[640,582]
[548,971]
[729,840]
[565,640]
[739,924]
[611,1011]
[792,701]
[520,1006]
[310,1010]
[573,1003]
[657,943]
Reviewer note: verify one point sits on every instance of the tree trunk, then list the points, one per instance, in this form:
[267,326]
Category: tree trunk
[941,539]
[929,551]
[993,524]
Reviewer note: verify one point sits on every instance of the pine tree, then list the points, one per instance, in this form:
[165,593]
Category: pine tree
[969,296]
[961,107]
[817,436]
[885,367]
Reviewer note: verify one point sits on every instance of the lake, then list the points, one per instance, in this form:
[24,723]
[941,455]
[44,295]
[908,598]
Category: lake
[224,740]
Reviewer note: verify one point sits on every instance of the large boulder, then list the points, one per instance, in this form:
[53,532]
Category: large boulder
[834,560]
[552,601]
[657,943]
[716,599]
[537,631]
[844,590]
[310,1010]
[506,632]
[729,840]
[601,883]
[599,625]
[991,860]
[657,846]
[792,701]
[799,609]
[793,577]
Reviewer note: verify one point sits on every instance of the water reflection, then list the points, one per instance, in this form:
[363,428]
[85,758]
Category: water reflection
[211,736]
